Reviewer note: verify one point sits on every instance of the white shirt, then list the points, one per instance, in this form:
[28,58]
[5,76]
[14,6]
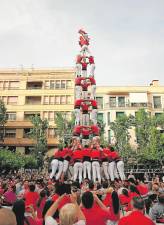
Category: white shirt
[50,221]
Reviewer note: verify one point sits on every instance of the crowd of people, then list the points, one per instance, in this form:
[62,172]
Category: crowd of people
[32,199]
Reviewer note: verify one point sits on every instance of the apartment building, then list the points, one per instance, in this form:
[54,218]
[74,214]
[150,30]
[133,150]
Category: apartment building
[115,101]
[27,92]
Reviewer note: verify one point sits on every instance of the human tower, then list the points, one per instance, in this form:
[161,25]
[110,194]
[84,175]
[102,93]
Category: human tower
[85,107]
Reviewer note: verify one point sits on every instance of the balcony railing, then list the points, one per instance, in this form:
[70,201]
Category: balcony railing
[128,105]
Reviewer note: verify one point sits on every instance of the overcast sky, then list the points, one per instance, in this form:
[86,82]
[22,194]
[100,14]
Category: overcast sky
[127,36]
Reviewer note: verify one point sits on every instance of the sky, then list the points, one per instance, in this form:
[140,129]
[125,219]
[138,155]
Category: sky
[127,37]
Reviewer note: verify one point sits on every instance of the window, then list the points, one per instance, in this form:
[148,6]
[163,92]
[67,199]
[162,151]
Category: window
[11,115]
[68,99]
[51,133]
[57,99]
[112,101]
[28,115]
[51,116]
[52,100]
[119,114]
[4,99]
[12,100]
[1,84]
[46,100]
[28,150]
[47,84]
[6,85]
[13,84]
[108,117]
[63,84]
[10,133]
[68,84]
[121,101]
[57,86]
[33,100]
[26,132]
[45,115]
[52,84]
[100,117]
[158,114]
[100,102]
[157,102]
[63,99]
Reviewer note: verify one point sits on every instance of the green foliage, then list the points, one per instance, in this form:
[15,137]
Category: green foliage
[11,160]
[121,127]
[39,134]
[64,127]
[3,115]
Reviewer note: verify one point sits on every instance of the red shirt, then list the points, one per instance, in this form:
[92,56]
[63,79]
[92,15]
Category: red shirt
[78,80]
[77,154]
[83,41]
[124,199]
[86,152]
[107,200]
[85,107]
[78,103]
[41,207]
[57,154]
[92,80]
[31,198]
[94,103]
[85,86]
[84,65]
[136,218]
[143,189]
[95,129]
[91,60]
[114,155]
[77,129]
[105,153]
[85,132]
[95,216]
[66,199]
[95,154]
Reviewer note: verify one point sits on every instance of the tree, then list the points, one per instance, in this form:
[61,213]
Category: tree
[39,134]
[121,128]
[64,127]
[3,118]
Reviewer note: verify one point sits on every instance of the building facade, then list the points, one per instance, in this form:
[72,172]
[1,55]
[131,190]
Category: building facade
[28,92]
[44,92]
[115,101]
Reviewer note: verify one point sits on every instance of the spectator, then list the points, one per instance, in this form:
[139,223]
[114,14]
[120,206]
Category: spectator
[40,203]
[136,217]
[31,197]
[70,214]
[7,217]
[94,214]
[157,210]
[10,195]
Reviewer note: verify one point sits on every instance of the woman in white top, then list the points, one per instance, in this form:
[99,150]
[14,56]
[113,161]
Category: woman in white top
[70,214]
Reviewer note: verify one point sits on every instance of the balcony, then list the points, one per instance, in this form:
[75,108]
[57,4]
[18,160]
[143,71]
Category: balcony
[34,85]
[33,100]
[120,105]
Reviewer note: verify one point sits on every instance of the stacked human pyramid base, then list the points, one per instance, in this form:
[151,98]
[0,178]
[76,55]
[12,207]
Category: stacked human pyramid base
[85,155]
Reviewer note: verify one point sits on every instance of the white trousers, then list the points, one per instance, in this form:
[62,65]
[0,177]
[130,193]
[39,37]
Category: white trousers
[65,166]
[60,170]
[112,170]
[87,169]
[78,69]
[96,171]
[85,118]
[78,91]
[54,167]
[77,116]
[93,91]
[105,166]
[120,168]
[94,116]
[84,73]
[92,70]
[78,169]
